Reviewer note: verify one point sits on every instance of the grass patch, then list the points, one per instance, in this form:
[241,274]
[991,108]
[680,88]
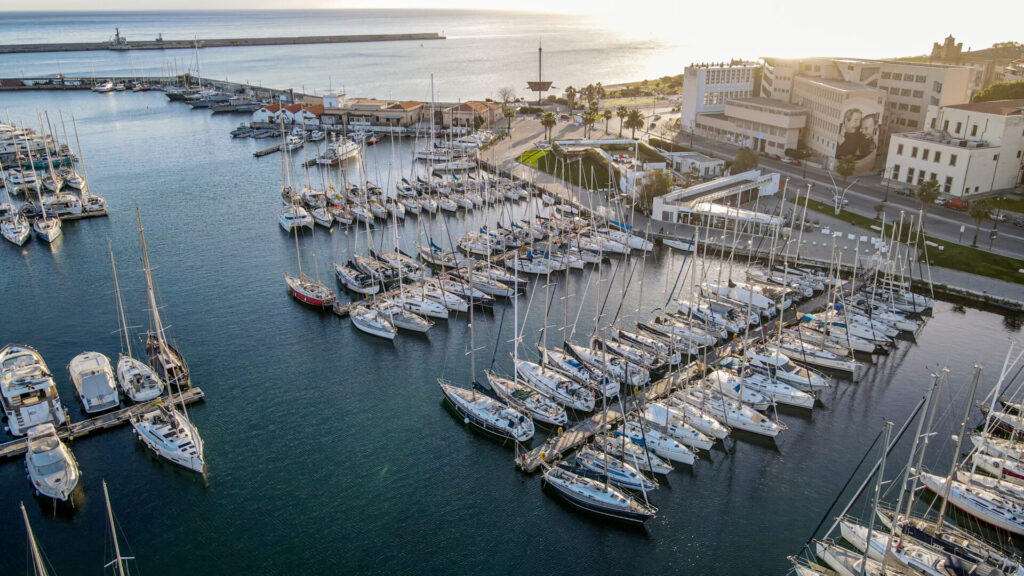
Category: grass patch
[952,256]
[568,167]
[530,157]
[1013,204]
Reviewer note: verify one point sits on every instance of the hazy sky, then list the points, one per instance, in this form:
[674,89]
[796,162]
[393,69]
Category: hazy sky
[867,28]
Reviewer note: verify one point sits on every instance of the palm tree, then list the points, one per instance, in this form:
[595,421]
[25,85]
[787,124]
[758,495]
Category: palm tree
[622,112]
[589,117]
[634,120]
[548,121]
[599,91]
[570,97]
[510,113]
[607,115]
[927,192]
[979,211]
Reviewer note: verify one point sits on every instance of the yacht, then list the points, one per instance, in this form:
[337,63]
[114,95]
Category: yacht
[309,291]
[731,413]
[525,399]
[488,414]
[661,444]
[52,468]
[15,229]
[770,361]
[596,497]
[49,229]
[562,389]
[370,321]
[796,348]
[94,382]
[27,391]
[138,381]
[171,435]
[355,279]
[642,459]
[292,217]
[618,472]
[402,318]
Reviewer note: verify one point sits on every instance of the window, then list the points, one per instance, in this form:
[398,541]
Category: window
[916,109]
[904,107]
[924,154]
[897,76]
[919,79]
[959,125]
[895,171]
[933,177]
[920,176]
[910,175]
[1018,153]
[886,75]
[913,152]
[938,156]
[974,130]
[912,123]
[948,185]
[952,159]
[899,150]
[918,94]
[945,125]
[905,92]
[995,158]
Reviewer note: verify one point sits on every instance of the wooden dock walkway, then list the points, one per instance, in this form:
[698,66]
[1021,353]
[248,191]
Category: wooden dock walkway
[579,434]
[97,424]
[265,151]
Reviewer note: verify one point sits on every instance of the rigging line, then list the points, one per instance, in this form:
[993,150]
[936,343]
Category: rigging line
[675,285]
[623,299]
[600,313]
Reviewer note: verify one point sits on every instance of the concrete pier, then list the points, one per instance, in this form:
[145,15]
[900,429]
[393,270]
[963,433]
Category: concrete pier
[212,43]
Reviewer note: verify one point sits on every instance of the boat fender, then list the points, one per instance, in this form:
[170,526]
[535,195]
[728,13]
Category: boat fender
[465,420]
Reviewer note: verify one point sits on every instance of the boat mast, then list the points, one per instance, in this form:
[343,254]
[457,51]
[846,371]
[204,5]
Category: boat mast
[37,558]
[81,155]
[118,560]
[959,443]
[874,505]
[158,327]
[120,302]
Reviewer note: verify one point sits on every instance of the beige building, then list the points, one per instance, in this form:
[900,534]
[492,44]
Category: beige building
[761,124]
[707,88]
[968,149]
[842,119]
[464,115]
[358,113]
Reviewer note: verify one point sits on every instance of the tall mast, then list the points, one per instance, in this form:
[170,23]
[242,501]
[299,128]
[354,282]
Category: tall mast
[118,560]
[959,444]
[37,558]
[120,303]
[158,327]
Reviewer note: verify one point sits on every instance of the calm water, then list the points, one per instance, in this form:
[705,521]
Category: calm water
[329,451]
[483,51]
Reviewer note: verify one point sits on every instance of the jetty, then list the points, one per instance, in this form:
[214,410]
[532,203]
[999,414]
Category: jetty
[99,423]
[161,44]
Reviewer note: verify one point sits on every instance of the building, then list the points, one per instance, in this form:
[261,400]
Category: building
[695,163]
[706,88]
[969,149]
[301,113]
[465,114]
[716,203]
[842,119]
[764,125]
[987,65]
[370,113]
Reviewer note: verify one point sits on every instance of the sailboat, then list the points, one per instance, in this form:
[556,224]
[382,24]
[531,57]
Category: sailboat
[596,497]
[120,568]
[13,226]
[137,380]
[38,564]
[163,356]
[308,290]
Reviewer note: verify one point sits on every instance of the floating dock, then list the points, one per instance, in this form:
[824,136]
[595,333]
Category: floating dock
[160,44]
[97,424]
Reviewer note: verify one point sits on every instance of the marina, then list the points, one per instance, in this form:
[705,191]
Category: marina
[364,384]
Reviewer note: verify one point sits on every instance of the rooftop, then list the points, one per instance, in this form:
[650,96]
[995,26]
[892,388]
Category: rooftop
[770,103]
[943,138]
[997,107]
[840,85]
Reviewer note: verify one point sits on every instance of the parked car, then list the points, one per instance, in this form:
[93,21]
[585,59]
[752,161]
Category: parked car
[1019,221]
[787,160]
[942,200]
[998,217]
[905,192]
[837,199]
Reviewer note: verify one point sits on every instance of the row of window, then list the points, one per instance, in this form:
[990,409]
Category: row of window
[728,76]
[959,127]
[914,108]
[906,122]
[936,157]
[946,186]
[719,98]
[907,92]
[920,79]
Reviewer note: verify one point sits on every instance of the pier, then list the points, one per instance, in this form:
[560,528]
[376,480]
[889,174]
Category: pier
[160,44]
[98,424]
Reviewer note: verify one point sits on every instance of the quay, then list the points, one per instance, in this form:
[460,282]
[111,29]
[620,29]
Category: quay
[160,44]
[97,424]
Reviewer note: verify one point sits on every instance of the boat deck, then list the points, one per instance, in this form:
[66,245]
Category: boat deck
[97,424]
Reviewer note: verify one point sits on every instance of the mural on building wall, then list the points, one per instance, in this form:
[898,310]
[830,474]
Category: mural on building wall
[858,132]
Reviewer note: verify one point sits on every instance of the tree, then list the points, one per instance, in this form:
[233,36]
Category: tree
[927,192]
[745,160]
[510,113]
[589,117]
[607,115]
[478,122]
[634,120]
[599,91]
[506,95]
[845,167]
[622,112]
[979,211]
[570,97]
[548,121]
[1001,91]
[879,208]
[656,183]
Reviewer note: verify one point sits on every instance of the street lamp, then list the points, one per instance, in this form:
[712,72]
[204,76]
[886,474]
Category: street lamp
[838,198]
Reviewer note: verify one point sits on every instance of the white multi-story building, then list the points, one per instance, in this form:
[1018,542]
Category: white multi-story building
[968,149]
[706,88]
[764,125]
[843,119]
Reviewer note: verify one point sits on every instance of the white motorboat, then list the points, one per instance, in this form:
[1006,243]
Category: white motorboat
[27,391]
[51,466]
[486,413]
[561,388]
[94,382]
[661,444]
[171,435]
[527,400]
[372,322]
[294,216]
